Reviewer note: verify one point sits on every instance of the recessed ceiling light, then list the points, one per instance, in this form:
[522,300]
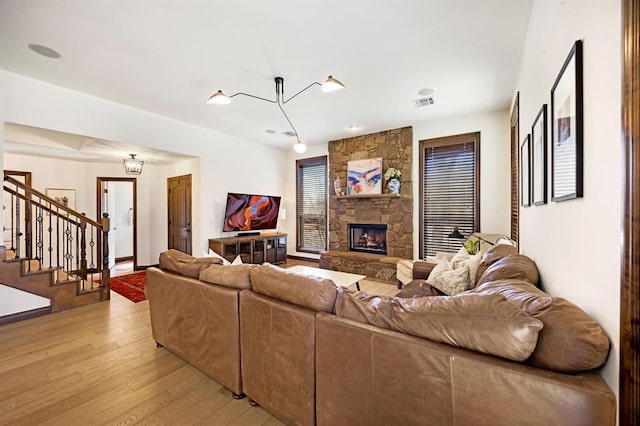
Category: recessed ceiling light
[353,127]
[430,91]
[270,131]
[44,50]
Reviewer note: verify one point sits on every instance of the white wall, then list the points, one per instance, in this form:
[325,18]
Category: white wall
[228,164]
[577,244]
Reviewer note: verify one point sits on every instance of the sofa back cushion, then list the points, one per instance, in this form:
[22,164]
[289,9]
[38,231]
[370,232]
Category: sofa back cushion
[571,341]
[528,297]
[181,263]
[513,266]
[486,323]
[310,292]
[492,256]
[234,276]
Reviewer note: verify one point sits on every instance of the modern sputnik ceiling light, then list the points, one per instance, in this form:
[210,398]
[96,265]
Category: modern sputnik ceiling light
[132,166]
[330,85]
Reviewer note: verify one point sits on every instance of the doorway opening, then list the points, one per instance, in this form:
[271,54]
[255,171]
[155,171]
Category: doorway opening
[118,198]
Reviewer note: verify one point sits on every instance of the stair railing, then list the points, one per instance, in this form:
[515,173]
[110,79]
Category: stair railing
[46,234]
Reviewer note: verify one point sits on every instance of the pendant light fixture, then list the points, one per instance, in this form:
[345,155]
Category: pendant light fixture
[132,166]
[330,85]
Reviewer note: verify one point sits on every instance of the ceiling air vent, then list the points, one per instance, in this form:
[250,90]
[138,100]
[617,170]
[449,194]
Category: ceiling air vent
[429,100]
[289,133]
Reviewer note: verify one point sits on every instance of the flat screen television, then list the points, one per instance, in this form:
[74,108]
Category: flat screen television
[250,212]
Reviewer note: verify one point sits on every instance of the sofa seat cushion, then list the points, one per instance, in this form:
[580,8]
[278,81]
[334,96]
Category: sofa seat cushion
[418,288]
[318,294]
[234,276]
[571,341]
[486,323]
[181,263]
[513,266]
[528,297]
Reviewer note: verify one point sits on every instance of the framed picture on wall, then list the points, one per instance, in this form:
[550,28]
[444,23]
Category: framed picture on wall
[566,129]
[539,157]
[66,197]
[364,176]
[525,172]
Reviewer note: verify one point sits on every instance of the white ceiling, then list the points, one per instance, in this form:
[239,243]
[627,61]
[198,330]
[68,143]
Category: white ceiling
[33,141]
[169,56]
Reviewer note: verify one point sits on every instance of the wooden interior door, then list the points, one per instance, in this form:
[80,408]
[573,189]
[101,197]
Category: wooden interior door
[179,213]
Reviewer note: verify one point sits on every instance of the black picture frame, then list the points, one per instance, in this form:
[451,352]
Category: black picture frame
[525,172]
[539,158]
[567,129]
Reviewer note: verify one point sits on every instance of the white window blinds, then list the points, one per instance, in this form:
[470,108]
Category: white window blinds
[450,173]
[311,204]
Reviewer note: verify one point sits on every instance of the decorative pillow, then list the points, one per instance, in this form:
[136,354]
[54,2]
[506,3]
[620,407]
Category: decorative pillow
[570,341]
[237,261]
[212,253]
[443,256]
[447,280]
[471,260]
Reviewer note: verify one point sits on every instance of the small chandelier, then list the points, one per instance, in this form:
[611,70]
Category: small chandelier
[132,166]
[330,85]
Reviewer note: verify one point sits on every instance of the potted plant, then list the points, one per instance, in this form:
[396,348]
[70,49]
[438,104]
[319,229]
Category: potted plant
[392,176]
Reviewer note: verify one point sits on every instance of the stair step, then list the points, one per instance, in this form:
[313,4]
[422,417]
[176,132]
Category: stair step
[6,319]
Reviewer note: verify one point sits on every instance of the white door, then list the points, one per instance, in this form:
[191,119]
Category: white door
[110,208]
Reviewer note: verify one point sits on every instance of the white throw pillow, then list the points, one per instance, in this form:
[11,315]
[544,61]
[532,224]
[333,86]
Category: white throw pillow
[471,260]
[447,280]
[237,261]
[212,253]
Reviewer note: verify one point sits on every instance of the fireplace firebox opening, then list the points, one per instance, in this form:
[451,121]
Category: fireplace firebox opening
[368,237]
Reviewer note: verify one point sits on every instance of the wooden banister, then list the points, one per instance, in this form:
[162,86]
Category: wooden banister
[77,246]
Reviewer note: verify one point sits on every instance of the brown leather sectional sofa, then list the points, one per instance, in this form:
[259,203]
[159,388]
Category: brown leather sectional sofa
[504,353]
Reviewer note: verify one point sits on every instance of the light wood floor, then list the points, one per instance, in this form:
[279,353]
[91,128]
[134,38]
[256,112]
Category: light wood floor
[98,364]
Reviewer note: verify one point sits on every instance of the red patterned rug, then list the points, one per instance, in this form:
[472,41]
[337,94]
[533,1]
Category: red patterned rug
[130,286]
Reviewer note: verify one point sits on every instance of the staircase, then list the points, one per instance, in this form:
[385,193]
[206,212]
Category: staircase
[51,250]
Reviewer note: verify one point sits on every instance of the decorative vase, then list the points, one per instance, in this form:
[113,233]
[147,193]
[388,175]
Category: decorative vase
[337,186]
[394,186]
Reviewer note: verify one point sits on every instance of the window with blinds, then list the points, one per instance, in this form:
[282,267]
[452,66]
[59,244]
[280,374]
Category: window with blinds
[311,204]
[515,167]
[450,191]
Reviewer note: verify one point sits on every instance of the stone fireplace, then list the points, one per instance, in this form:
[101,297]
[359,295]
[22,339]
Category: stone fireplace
[393,211]
[368,238]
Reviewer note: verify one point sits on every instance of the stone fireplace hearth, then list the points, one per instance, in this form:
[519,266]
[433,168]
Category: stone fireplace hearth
[393,211]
